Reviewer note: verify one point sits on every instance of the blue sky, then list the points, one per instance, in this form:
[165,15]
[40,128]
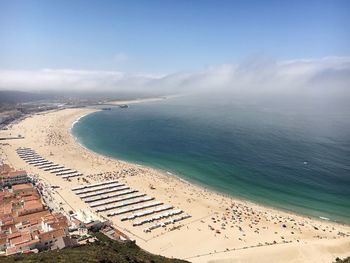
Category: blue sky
[161,37]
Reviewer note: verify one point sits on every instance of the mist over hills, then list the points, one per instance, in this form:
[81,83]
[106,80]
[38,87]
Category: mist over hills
[17,96]
[328,76]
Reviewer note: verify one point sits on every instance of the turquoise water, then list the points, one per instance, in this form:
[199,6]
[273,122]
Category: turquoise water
[290,157]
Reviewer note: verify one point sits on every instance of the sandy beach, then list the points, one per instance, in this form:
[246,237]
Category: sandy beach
[221,228]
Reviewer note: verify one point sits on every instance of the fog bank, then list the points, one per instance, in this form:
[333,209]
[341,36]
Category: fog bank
[328,76]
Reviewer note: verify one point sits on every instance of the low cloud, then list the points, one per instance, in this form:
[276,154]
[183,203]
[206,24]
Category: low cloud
[329,75]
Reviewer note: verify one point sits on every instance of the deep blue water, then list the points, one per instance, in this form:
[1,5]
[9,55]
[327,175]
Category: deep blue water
[294,157]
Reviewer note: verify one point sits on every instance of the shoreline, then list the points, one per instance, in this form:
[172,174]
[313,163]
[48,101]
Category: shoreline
[252,227]
[197,184]
[136,101]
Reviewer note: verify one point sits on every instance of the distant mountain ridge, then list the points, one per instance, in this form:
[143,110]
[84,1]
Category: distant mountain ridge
[11,97]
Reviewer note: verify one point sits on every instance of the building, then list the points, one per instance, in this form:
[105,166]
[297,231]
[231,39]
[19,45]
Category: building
[30,207]
[26,225]
[9,176]
[54,221]
[5,168]
[22,188]
[48,239]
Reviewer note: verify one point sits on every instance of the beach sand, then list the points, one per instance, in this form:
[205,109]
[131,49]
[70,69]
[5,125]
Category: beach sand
[221,229]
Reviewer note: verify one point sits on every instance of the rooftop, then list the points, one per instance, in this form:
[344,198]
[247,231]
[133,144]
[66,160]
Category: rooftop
[5,168]
[19,187]
[14,173]
[47,236]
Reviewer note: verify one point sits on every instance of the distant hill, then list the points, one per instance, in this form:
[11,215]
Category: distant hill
[104,250]
[12,97]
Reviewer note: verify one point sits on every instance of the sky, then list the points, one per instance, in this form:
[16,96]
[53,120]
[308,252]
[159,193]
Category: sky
[147,40]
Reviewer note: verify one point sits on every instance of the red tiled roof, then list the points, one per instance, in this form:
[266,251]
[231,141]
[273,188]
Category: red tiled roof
[21,187]
[28,243]
[33,204]
[24,237]
[3,241]
[6,208]
[32,216]
[14,235]
[11,251]
[29,198]
[14,173]
[5,168]
[56,220]
[47,236]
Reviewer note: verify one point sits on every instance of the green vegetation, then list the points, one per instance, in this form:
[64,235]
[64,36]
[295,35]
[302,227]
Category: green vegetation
[104,250]
[345,260]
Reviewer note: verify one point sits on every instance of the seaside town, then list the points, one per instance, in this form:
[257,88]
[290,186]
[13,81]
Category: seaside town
[31,220]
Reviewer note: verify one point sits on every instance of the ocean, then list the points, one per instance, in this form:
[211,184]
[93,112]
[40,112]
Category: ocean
[292,155]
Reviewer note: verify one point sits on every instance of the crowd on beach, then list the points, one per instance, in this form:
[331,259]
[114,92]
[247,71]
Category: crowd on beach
[247,220]
[55,138]
[121,173]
